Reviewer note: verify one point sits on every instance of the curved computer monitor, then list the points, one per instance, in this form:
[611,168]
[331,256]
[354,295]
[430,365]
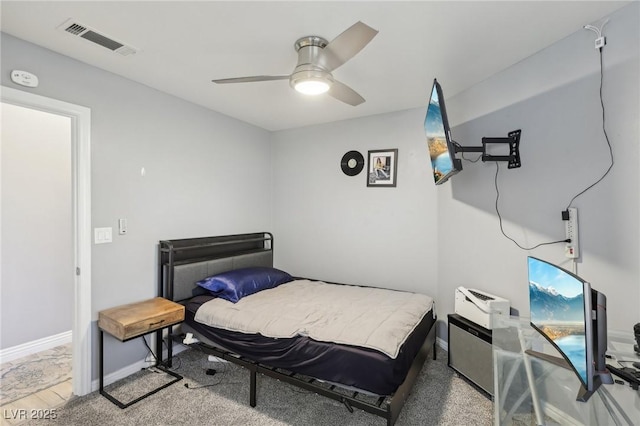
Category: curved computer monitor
[572,317]
[441,147]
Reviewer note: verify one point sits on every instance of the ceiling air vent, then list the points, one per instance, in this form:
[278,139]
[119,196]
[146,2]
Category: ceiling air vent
[79,30]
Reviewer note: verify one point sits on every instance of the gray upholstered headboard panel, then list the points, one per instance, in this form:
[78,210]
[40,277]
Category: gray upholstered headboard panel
[185,276]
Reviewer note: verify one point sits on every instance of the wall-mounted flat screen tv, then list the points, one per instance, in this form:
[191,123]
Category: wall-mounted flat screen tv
[441,147]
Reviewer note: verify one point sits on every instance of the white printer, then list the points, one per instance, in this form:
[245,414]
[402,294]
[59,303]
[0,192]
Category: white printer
[480,307]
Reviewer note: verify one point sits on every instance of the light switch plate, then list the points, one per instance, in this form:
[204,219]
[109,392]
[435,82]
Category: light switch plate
[122,226]
[102,235]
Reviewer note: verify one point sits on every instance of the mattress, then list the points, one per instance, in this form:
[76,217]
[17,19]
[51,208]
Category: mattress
[351,366]
[367,317]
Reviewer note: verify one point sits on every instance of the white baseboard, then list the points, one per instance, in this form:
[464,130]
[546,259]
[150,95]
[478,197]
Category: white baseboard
[442,343]
[35,346]
[120,374]
[131,369]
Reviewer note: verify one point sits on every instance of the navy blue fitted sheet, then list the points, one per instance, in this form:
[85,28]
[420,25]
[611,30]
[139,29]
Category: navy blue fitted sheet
[362,368]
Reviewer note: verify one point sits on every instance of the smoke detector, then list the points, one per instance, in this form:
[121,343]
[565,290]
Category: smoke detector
[76,29]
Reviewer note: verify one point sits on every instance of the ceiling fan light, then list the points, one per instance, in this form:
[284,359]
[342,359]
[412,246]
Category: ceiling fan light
[312,86]
[310,81]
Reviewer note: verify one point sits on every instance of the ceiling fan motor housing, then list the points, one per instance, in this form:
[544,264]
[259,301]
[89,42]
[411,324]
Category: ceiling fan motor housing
[308,69]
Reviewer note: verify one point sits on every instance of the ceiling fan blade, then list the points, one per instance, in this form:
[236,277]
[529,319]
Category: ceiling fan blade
[251,79]
[344,93]
[345,46]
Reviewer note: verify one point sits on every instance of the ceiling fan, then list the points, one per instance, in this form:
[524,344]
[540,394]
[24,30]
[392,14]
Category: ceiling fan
[317,58]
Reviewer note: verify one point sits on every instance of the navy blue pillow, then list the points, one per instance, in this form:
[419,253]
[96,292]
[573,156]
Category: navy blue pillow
[234,285]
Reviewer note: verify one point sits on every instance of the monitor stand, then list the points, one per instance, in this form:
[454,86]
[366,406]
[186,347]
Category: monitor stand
[584,394]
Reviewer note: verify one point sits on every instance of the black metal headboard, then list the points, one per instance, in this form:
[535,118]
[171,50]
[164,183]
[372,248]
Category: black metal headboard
[181,263]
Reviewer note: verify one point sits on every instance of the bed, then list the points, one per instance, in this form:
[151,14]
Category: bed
[291,352]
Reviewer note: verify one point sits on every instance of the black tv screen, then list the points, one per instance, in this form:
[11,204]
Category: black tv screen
[441,147]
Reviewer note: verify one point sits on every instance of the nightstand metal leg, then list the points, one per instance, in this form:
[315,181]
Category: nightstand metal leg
[101,361]
[159,348]
[170,348]
[177,377]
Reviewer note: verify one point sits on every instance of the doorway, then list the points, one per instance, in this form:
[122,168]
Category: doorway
[80,122]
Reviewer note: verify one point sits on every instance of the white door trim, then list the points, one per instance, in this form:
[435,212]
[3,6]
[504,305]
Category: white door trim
[81,172]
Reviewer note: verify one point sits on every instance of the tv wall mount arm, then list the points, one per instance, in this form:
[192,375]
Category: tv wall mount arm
[513,139]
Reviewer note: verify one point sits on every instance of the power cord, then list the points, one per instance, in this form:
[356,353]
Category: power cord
[144,339]
[495,181]
[600,42]
[186,385]
[209,372]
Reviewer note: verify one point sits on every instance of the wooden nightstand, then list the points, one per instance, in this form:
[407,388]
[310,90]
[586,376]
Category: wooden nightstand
[127,322]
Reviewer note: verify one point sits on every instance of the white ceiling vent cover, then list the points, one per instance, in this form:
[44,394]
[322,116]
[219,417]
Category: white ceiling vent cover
[77,29]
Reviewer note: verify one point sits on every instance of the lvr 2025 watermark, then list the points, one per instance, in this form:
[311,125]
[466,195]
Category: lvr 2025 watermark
[29,414]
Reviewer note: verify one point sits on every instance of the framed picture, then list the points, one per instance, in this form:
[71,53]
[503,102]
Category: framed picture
[382,167]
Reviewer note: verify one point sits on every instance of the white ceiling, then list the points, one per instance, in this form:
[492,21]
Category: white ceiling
[184,45]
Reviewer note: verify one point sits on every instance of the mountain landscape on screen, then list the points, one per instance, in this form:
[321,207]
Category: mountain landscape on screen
[547,305]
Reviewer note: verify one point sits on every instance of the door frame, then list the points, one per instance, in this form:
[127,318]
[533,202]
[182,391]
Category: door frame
[81,194]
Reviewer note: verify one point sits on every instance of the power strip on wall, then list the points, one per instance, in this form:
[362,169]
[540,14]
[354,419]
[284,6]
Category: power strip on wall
[572,248]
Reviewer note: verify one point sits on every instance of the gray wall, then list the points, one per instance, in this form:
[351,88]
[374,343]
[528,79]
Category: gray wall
[37,243]
[553,97]
[206,174]
[333,227]
[418,237]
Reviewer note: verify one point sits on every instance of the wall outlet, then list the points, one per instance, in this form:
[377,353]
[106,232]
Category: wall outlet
[571,249]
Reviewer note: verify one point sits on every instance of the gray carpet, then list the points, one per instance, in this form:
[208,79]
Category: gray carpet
[439,397]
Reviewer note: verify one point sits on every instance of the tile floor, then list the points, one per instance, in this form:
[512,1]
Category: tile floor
[35,385]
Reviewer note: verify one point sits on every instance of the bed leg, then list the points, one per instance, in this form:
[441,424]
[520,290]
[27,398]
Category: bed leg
[434,351]
[252,388]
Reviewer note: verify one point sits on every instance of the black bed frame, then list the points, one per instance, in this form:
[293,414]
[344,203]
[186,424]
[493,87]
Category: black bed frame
[192,250]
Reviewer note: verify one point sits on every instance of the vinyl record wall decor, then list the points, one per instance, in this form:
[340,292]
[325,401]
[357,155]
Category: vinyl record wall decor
[382,168]
[352,163]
